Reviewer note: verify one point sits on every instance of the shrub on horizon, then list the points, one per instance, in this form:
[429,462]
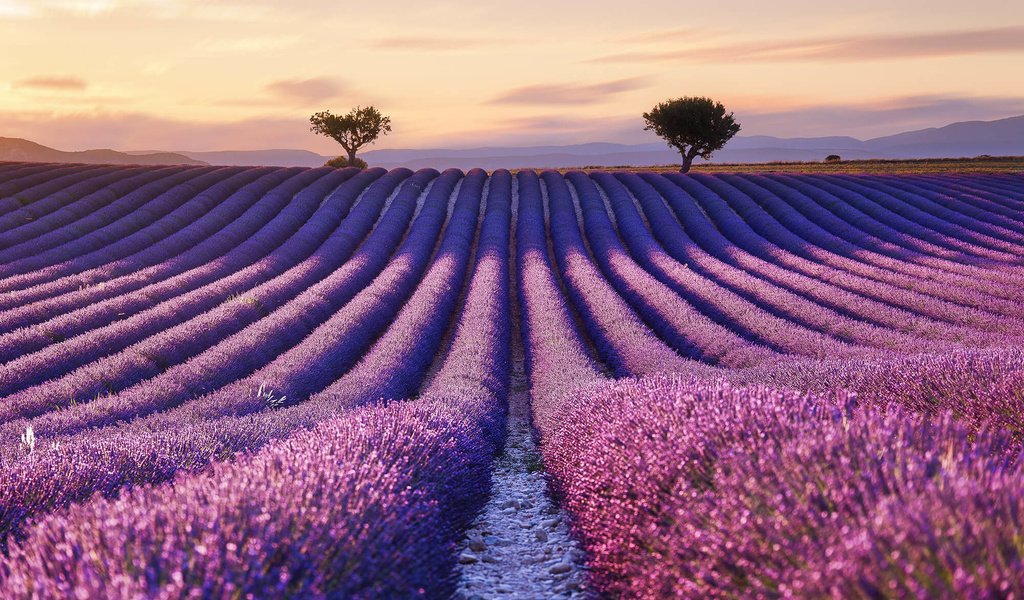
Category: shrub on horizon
[342,162]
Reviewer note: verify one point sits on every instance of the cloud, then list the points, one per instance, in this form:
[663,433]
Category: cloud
[304,91]
[428,43]
[671,35]
[80,8]
[52,83]
[870,47]
[567,93]
[247,44]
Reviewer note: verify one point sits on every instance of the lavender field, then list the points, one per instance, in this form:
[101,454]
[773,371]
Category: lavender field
[234,382]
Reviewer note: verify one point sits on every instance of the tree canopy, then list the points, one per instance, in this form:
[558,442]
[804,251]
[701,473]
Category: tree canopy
[361,126]
[695,126]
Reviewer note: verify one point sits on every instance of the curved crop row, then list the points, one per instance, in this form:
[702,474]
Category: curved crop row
[294,382]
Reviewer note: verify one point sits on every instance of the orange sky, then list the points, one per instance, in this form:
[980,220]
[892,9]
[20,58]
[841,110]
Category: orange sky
[246,74]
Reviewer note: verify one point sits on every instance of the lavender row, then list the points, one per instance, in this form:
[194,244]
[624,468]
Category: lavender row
[398,361]
[76,218]
[169,213]
[359,507]
[72,238]
[156,448]
[173,331]
[964,210]
[934,299]
[52,190]
[914,312]
[232,433]
[557,359]
[189,293]
[121,237]
[979,205]
[19,177]
[729,319]
[849,215]
[927,216]
[670,247]
[188,227]
[170,369]
[757,492]
[622,339]
[185,293]
[404,480]
[980,387]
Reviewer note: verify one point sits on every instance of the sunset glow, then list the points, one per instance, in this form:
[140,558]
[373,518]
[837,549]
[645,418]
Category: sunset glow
[209,75]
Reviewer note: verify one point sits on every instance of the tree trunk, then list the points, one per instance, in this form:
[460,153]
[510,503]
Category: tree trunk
[351,156]
[687,161]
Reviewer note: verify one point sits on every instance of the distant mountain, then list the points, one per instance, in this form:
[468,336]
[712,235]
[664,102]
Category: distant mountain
[1004,137]
[15,149]
[968,138]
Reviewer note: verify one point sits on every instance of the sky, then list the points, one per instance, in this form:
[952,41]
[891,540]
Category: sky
[246,74]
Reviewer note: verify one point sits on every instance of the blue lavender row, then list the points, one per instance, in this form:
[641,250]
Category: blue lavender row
[622,339]
[171,369]
[722,318]
[18,177]
[117,231]
[257,236]
[64,477]
[927,217]
[51,191]
[204,215]
[187,290]
[965,206]
[819,264]
[935,301]
[844,202]
[174,333]
[188,438]
[958,268]
[72,218]
[398,361]
[665,252]
[65,241]
[170,212]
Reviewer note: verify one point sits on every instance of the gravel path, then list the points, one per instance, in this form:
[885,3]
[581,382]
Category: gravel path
[520,547]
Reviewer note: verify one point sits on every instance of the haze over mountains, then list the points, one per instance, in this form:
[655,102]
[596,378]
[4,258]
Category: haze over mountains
[1003,137]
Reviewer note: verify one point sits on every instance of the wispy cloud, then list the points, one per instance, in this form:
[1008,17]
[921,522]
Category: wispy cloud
[850,48]
[428,43]
[686,34]
[247,44]
[568,93]
[70,84]
[307,90]
[85,8]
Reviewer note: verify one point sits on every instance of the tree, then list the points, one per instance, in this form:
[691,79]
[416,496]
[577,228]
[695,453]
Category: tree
[359,127]
[833,158]
[694,126]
